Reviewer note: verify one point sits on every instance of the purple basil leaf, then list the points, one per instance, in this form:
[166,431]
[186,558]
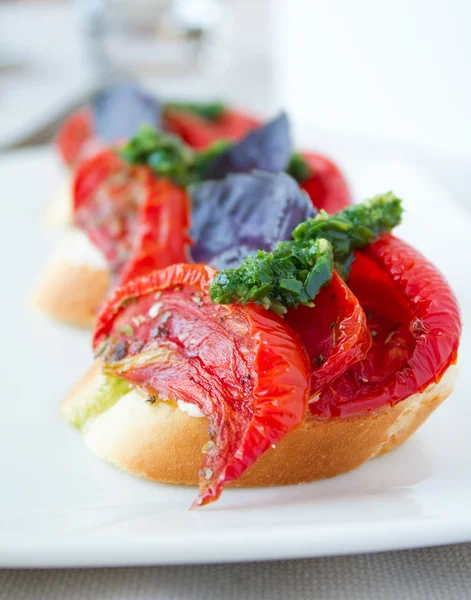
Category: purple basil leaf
[121,109]
[267,148]
[244,213]
[232,258]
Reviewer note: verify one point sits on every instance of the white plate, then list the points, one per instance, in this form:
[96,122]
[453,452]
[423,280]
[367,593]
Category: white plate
[61,506]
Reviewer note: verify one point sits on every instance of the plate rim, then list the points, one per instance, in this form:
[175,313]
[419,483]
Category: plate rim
[205,547]
[165,548]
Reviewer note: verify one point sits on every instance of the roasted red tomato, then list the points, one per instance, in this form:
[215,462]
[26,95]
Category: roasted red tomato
[200,133]
[233,125]
[326,185]
[74,133]
[139,222]
[243,366]
[415,323]
[334,332]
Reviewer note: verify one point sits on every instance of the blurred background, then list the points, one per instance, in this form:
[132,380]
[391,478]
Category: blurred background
[381,69]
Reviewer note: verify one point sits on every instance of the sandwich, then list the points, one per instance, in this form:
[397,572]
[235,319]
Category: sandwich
[302,361]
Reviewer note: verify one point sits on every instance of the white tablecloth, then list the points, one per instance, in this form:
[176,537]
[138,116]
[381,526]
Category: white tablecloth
[427,574]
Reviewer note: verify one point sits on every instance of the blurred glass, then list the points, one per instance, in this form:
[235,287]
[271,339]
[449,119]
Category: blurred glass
[151,37]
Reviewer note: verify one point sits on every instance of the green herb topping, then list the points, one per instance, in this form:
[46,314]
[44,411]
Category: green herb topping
[298,168]
[111,390]
[294,271]
[168,156]
[211,111]
[165,154]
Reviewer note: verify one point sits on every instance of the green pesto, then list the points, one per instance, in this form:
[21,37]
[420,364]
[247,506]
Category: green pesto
[112,389]
[168,156]
[298,168]
[210,111]
[294,271]
[165,154]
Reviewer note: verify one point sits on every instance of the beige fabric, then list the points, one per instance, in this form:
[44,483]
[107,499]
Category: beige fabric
[427,574]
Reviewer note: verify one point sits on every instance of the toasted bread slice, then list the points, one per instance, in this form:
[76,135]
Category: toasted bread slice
[162,442]
[74,283]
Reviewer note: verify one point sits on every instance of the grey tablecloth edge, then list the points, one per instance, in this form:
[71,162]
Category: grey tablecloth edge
[442,573]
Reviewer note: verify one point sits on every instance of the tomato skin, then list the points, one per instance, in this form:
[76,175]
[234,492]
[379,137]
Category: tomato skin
[334,332]
[164,238]
[327,186]
[73,135]
[200,133]
[91,174]
[198,276]
[422,344]
[243,366]
[77,133]
[233,125]
[140,223]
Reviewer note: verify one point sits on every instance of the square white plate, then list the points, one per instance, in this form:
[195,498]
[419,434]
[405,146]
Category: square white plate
[61,506]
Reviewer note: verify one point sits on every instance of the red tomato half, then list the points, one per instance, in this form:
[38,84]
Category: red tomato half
[73,135]
[139,222]
[243,366]
[326,186]
[334,332]
[200,133]
[414,319]
[233,125]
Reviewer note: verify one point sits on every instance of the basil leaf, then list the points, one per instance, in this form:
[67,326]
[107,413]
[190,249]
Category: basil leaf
[121,109]
[267,148]
[244,211]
